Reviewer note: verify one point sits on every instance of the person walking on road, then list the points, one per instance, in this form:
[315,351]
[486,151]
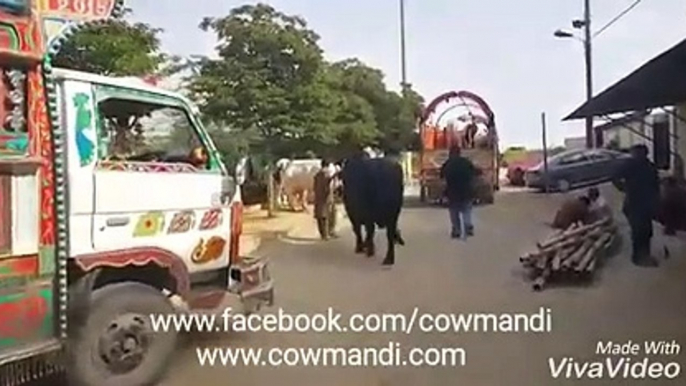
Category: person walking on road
[460,175]
[639,181]
[324,200]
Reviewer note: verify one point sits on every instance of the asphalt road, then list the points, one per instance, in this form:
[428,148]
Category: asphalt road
[440,275]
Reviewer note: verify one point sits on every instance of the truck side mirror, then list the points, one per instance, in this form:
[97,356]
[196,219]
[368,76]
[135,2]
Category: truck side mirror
[229,188]
[242,170]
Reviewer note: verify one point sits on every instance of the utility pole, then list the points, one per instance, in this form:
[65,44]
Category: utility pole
[590,134]
[403,60]
[544,135]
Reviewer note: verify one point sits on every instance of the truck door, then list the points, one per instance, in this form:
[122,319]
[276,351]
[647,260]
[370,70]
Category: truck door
[155,182]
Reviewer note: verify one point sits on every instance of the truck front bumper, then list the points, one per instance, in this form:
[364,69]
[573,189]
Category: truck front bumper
[253,283]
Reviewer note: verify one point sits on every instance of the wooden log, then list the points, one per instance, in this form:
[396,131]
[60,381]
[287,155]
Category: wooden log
[570,242]
[574,244]
[540,281]
[578,254]
[592,253]
[574,232]
[587,259]
[561,255]
[591,266]
[574,249]
[544,261]
[610,241]
[554,234]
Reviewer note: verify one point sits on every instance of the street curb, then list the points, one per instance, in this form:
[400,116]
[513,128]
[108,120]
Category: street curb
[309,232]
[300,232]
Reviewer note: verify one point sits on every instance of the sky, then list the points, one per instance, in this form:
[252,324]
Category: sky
[502,50]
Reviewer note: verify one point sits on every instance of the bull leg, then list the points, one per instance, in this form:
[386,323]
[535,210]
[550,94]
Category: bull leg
[369,241]
[306,197]
[398,237]
[292,195]
[301,198]
[392,238]
[359,245]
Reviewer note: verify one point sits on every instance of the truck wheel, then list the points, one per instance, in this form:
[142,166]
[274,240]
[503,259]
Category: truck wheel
[116,344]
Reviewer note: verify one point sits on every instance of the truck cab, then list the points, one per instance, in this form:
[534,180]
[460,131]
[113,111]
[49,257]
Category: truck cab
[115,206]
[154,222]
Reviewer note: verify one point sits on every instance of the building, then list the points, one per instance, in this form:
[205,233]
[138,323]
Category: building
[575,143]
[660,85]
[657,131]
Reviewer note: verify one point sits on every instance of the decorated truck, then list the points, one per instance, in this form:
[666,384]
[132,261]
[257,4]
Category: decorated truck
[114,205]
[472,129]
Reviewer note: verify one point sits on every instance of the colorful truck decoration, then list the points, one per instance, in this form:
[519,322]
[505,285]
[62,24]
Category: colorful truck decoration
[85,262]
[474,132]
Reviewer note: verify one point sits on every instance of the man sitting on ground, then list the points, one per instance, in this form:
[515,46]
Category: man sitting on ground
[598,208]
[572,211]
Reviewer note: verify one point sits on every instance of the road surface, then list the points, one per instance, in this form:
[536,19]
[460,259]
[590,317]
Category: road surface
[440,275]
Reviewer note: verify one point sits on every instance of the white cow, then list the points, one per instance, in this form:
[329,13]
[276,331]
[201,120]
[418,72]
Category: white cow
[296,180]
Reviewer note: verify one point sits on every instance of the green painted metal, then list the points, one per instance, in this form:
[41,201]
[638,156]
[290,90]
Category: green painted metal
[46,261]
[84,128]
[26,316]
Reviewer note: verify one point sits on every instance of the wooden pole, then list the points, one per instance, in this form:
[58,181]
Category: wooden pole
[544,135]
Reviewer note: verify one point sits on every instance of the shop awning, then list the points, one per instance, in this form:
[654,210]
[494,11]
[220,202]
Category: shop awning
[658,83]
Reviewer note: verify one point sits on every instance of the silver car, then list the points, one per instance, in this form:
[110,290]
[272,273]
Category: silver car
[575,168]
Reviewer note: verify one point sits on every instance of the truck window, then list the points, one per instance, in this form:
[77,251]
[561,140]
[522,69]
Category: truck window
[143,132]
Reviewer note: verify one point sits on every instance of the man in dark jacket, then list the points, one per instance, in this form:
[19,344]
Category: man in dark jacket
[639,181]
[460,176]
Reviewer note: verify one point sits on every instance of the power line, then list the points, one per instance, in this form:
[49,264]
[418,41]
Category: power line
[618,17]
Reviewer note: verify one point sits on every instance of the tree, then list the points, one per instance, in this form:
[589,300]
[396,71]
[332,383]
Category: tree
[115,47]
[269,80]
[355,88]
[394,116]
[401,132]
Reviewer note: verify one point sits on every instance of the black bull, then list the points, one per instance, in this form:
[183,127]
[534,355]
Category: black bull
[373,196]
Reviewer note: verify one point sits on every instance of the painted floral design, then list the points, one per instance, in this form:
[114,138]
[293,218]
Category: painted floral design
[84,115]
[211,219]
[149,224]
[208,251]
[182,222]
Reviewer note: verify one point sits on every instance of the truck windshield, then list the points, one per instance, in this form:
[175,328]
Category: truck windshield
[138,131]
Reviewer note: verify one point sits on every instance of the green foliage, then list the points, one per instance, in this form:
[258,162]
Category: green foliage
[269,91]
[116,47]
[268,80]
[271,84]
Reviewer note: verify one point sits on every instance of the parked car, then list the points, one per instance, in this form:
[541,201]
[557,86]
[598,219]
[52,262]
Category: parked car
[576,168]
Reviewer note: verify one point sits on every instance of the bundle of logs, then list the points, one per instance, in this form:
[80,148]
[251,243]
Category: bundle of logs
[573,252]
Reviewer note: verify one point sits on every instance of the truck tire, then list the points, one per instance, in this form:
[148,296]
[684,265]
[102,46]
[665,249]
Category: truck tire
[116,345]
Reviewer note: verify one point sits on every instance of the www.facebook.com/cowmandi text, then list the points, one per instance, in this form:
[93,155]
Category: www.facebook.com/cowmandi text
[332,321]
